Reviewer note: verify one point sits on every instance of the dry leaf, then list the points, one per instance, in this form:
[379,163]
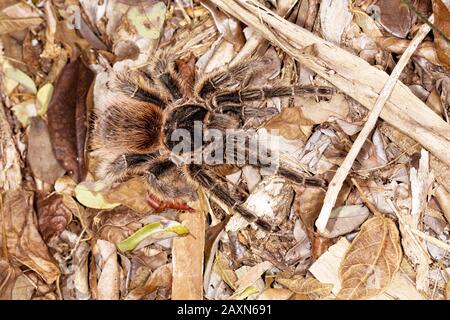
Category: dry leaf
[53,216]
[308,287]
[290,123]
[161,277]
[67,117]
[372,260]
[275,294]
[393,16]
[8,277]
[245,284]
[132,194]
[108,270]
[345,219]
[13,24]
[223,268]
[148,20]
[442,21]
[23,241]
[40,153]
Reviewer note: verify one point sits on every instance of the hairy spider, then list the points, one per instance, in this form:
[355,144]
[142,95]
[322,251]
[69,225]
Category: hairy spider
[133,129]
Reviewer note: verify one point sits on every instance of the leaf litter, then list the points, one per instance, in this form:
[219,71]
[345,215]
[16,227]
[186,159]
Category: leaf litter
[66,235]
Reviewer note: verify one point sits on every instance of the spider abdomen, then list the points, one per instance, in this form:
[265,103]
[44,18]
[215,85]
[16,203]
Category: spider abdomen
[130,125]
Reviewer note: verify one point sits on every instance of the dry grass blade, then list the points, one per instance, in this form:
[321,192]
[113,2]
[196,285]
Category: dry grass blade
[371,261]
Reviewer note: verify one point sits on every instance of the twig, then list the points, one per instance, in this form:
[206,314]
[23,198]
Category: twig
[344,169]
[369,204]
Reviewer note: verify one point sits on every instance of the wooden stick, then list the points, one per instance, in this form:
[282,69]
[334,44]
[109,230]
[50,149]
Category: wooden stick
[344,169]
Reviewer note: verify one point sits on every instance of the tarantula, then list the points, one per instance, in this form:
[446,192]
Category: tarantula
[134,125]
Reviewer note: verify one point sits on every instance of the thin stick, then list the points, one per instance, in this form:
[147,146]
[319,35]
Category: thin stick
[366,200]
[344,169]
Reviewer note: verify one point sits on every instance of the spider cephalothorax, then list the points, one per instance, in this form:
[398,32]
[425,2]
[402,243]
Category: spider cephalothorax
[135,126]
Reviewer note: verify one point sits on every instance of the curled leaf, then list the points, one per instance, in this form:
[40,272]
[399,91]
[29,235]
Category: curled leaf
[372,260]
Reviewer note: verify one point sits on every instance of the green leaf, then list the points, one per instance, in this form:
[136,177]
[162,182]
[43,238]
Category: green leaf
[159,230]
[89,195]
[43,97]
[21,77]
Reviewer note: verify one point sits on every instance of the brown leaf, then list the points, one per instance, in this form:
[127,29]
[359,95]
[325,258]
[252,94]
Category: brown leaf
[308,288]
[372,260]
[442,22]
[13,24]
[67,117]
[8,276]
[40,153]
[161,277]
[132,194]
[291,123]
[393,16]
[53,216]
[22,239]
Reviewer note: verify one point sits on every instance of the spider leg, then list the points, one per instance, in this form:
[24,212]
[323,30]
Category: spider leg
[227,76]
[213,185]
[252,157]
[300,179]
[245,112]
[260,94]
[158,172]
[125,166]
[137,85]
[164,68]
